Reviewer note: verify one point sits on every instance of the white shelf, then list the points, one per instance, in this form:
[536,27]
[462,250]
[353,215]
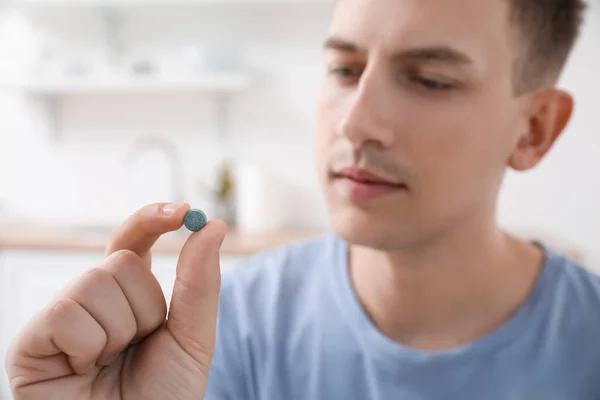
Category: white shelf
[143,3]
[220,83]
[220,86]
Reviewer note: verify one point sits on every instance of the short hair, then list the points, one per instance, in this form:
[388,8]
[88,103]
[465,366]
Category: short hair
[548,30]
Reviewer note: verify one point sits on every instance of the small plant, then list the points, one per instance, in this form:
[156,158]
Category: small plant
[222,190]
[224,183]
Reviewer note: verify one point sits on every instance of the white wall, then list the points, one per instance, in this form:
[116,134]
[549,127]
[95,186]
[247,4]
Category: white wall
[76,179]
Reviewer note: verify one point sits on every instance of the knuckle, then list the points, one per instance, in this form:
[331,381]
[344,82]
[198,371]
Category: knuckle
[67,310]
[64,309]
[96,276]
[127,259]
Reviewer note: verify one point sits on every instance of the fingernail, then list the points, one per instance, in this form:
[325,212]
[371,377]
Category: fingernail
[170,209]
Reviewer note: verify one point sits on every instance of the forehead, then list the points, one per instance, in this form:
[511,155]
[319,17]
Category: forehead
[478,28]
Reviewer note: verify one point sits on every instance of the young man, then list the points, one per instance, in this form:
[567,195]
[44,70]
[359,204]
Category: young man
[418,295]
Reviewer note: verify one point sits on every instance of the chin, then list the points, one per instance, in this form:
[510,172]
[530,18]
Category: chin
[360,228]
[382,229]
[388,225]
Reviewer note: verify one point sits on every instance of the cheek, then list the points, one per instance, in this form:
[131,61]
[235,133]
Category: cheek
[325,133]
[461,131]
[459,152]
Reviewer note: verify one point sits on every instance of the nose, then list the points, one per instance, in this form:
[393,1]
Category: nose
[368,111]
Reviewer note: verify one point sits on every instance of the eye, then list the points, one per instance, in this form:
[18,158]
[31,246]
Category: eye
[346,74]
[433,84]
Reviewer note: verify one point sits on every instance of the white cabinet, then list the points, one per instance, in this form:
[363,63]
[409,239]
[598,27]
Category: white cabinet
[29,281]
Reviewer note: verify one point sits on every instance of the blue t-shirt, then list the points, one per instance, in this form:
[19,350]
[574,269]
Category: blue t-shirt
[291,328]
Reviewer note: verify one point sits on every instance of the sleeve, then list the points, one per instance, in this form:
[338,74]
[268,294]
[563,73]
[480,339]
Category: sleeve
[227,379]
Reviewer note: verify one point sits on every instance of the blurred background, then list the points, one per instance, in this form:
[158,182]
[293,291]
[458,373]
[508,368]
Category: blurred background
[107,105]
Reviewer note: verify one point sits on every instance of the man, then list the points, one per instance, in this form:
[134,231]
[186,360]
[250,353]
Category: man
[418,295]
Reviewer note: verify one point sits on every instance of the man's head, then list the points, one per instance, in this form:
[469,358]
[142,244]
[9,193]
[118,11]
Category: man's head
[437,98]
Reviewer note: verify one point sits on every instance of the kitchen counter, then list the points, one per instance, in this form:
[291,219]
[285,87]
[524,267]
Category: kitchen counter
[48,238]
[17,237]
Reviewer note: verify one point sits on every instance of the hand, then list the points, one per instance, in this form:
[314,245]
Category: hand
[107,336]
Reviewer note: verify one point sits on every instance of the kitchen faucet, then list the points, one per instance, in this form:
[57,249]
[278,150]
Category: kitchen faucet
[172,155]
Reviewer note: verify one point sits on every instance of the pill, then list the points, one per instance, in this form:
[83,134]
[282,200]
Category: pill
[194,220]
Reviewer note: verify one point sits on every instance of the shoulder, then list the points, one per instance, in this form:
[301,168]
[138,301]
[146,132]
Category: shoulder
[574,295]
[576,283]
[566,320]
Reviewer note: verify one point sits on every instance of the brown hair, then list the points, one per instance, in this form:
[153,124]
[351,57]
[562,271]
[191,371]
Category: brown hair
[548,29]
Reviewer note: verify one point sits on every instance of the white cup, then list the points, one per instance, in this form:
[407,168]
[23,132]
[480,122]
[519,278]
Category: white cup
[258,200]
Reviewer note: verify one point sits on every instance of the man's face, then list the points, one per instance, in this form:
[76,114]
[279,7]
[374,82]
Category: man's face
[419,94]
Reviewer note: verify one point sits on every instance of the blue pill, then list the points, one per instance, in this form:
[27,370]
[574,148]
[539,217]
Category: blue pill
[194,220]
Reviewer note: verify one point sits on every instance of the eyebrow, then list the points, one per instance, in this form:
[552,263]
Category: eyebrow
[438,53]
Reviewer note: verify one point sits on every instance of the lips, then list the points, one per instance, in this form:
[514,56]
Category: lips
[363,176]
[360,185]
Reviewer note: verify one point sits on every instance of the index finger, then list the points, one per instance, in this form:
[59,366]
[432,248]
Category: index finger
[142,229]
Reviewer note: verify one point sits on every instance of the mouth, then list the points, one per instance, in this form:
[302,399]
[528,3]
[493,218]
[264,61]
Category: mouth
[361,185]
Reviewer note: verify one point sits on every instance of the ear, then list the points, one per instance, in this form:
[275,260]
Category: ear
[548,117]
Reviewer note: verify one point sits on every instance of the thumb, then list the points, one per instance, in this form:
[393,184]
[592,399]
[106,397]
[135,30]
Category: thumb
[193,312]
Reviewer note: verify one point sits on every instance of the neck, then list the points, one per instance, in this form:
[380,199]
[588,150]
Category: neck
[449,290]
